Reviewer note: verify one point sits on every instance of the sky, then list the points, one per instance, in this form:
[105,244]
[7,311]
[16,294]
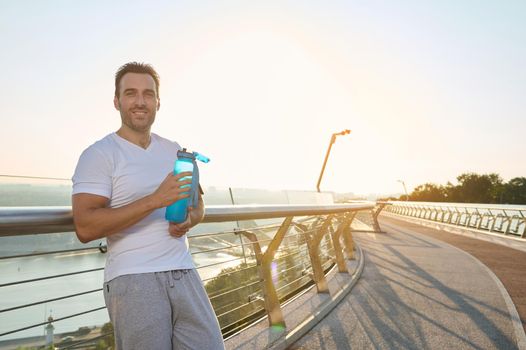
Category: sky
[430,89]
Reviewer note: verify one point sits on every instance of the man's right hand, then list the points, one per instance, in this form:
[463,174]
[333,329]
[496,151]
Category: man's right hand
[171,190]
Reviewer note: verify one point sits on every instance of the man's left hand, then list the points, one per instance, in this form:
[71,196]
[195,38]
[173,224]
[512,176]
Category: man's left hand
[180,229]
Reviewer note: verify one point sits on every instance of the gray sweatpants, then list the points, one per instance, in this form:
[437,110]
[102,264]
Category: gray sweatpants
[162,310]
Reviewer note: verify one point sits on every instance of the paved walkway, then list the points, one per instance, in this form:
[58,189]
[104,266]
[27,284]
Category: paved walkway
[509,265]
[418,292]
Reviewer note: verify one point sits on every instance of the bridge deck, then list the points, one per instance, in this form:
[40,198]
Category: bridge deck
[418,291]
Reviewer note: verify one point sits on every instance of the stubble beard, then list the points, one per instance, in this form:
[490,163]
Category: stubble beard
[141,127]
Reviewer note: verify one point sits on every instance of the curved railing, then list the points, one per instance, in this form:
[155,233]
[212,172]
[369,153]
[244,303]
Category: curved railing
[501,219]
[249,268]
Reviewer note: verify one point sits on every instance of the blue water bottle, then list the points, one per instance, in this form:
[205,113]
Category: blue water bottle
[177,211]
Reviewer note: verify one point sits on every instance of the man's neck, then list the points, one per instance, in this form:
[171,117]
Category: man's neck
[141,139]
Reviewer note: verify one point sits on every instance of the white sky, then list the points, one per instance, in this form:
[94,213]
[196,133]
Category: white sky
[430,89]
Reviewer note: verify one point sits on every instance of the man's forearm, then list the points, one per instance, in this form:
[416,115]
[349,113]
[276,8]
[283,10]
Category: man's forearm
[97,222]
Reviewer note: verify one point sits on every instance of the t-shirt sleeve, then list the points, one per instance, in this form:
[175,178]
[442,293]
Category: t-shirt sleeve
[93,174]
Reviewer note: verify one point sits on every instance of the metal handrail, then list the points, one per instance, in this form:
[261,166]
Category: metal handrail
[35,220]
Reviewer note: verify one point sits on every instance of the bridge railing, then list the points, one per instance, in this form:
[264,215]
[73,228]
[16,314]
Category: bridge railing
[501,219]
[249,269]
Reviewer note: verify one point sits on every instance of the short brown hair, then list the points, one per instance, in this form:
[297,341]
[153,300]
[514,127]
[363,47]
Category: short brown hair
[136,67]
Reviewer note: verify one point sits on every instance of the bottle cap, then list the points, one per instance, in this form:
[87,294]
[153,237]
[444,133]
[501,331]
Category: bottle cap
[192,155]
[184,154]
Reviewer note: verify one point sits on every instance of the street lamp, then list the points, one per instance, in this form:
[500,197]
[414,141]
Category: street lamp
[333,139]
[405,190]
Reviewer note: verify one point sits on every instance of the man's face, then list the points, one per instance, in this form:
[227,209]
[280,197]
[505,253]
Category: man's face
[137,102]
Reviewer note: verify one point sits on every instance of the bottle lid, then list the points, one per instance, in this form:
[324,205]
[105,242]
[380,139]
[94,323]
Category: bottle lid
[192,155]
[184,154]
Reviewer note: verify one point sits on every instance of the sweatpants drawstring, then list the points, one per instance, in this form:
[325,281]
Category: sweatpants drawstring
[171,278]
[176,275]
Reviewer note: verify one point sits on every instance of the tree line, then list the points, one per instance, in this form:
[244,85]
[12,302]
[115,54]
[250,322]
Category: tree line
[473,188]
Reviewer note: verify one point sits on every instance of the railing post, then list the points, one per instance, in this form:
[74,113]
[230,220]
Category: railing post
[347,237]
[523,219]
[481,225]
[450,217]
[313,243]
[510,230]
[264,261]
[336,235]
[493,221]
[237,231]
[508,221]
[442,214]
[376,211]
[468,218]
[499,226]
[481,217]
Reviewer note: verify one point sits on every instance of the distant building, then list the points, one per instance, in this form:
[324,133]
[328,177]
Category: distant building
[49,331]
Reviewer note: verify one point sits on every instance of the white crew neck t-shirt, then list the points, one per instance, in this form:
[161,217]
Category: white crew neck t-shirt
[124,172]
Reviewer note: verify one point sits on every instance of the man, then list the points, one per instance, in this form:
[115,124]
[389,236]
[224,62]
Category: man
[121,185]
